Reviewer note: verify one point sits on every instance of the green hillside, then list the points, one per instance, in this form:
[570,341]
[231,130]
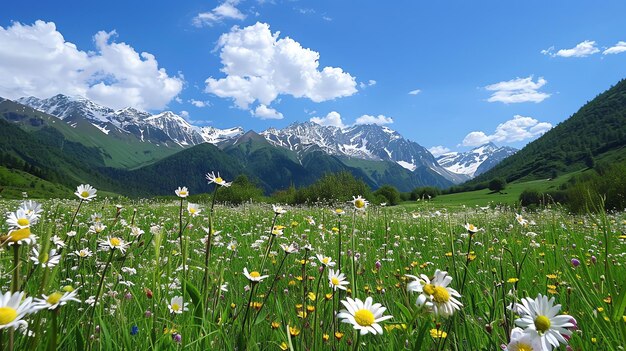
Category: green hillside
[117,149]
[595,132]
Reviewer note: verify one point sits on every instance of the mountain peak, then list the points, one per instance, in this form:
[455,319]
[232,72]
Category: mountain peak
[476,161]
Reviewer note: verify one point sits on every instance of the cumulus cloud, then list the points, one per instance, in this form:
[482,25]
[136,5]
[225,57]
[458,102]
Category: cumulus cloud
[226,10]
[264,112]
[380,120]
[583,49]
[438,150]
[36,60]
[518,90]
[331,119]
[199,103]
[517,129]
[259,67]
[616,49]
[415,92]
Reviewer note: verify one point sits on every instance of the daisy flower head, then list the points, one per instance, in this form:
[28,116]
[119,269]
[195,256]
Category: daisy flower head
[435,294]
[521,220]
[278,210]
[254,276]
[31,207]
[232,246]
[56,300]
[83,253]
[337,280]
[177,306]
[521,341]
[364,316]
[471,228]
[540,316]
[96,228]
[21,219]
[13,308]
[339,211]
[182,192]
[19,237]
[85,192]
[217,179]
[193,209]
[325,260]
[45,260]
[112,243]
[289,249]
[359,203]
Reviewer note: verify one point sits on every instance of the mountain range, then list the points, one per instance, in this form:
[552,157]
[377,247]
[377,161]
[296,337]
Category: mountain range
[124,144]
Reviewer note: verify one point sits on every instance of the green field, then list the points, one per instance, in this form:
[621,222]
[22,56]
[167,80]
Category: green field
[135,289]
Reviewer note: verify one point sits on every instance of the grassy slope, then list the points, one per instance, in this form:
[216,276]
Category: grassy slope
[14,182]
[119,150]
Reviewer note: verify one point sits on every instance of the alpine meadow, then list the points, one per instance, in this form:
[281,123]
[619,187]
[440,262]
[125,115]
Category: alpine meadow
[253,175]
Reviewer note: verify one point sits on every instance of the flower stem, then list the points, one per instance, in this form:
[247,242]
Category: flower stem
[95,303]
[269,245]
[317,291]
[245,316]
[269,292]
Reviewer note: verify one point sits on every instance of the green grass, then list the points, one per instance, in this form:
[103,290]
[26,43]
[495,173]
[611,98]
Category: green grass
[139,284]
[14,183]
[486,197]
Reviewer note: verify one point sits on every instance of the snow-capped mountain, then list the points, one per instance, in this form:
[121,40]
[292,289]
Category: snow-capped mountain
[368,141]
[163,128]
[476,161]
[215,136]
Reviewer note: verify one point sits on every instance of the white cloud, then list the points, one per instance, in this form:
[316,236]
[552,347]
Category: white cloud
[333,118]
[518,90]
[616,49]
[199,103]
[415,92]
[438,150]
[369,83]
[583,49]
[36,60]
[259,66]
[184,114]
[380,120]
[264,112]
[517,129]
[226,10]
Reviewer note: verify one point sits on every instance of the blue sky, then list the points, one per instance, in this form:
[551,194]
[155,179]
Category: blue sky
[479,71]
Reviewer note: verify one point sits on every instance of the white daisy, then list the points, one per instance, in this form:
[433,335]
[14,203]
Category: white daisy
[13,308]
[278,209]
[83,253]
[217,180]
[136,231]
[21,219]
[291,248]
[359,203]
[85,192]
[325,260]
[46,260]
[540,316]
[19,237]
[193,209]
[177,306]
[57,241]
[97,228]
[31,207]
[521,220]
[363,316]
[182,192]
[521,341]
[56,299]
[471,228]
[337,280]
[96,217]
[435,294]
[112,243]
[254,276]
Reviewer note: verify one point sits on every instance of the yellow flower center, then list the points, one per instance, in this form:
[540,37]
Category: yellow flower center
[429,289]
[219,180]
[115,242]
[359,203]
[542,323]
[523,347]
[175,307]
[364,317]
[182,193]
[17,235]
[84,194]
[192,210]
[441,295]
[23,222]
[325,260]
[334,281]
[54,298]
[7,315]
[255,274]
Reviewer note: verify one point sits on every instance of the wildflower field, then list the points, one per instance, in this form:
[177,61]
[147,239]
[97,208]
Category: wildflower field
[94,274]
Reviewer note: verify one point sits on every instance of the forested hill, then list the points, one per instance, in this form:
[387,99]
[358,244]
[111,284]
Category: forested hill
[596,130]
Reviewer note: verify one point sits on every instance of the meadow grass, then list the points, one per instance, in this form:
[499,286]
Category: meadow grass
[293,307]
